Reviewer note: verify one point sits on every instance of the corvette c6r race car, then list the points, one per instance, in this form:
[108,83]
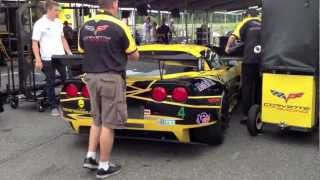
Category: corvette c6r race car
[174,92]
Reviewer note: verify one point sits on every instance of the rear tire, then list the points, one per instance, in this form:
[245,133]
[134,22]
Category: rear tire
[211,135]
[14,102]
[225,114]
[214,134]
[40,106]
[254,123]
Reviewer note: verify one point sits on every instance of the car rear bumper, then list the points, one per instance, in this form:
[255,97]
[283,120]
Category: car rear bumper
[180,131]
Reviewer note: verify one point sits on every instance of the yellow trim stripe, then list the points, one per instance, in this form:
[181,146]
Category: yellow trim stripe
[237,30]
[177,104]
[80,49]
[73,99]
[200,97]
[151,100]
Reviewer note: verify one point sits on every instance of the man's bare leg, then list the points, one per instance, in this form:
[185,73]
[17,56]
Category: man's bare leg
[90,161]
[105,168]
[106,143]
[94,138]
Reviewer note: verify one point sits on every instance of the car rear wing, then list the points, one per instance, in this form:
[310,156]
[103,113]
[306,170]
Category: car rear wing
[184,58]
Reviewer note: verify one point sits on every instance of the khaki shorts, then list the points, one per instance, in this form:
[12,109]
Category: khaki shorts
[108,99]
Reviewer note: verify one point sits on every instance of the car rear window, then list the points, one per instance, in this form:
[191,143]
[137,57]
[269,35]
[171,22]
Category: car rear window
[153,64]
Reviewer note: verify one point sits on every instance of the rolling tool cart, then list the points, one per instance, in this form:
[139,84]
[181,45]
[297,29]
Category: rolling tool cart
[27,88]
[29,85]
[3,95]
[290,71]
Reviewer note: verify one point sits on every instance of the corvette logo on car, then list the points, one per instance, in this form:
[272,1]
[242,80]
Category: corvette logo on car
[286,97]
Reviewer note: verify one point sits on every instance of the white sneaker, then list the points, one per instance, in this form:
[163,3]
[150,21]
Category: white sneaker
[55,112]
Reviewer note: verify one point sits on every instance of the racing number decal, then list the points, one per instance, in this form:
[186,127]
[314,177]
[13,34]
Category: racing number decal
[182,113]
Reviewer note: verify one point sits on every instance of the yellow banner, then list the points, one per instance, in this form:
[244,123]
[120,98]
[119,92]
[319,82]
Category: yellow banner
[67,15]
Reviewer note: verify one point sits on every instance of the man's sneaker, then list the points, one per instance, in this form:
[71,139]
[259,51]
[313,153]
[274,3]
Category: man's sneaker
[55,112]
[113,170]
[90,163]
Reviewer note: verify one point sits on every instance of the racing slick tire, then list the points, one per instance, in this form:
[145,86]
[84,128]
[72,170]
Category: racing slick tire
[41,106]
[14,102]
[211,135]
[225,114]
[254,123]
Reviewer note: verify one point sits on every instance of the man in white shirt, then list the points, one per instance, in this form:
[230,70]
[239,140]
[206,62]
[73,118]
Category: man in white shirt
[48,34]
[147,26]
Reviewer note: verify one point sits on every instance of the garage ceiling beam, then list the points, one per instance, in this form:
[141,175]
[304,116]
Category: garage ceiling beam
[192,4]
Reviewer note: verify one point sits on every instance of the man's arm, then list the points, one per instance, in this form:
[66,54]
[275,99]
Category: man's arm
[134,56]
[131,47]
[36,52]
[36,37]
[235,36]
[66,46]
[231,41]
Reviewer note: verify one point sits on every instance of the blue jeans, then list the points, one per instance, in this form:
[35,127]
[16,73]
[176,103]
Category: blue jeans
[49,69]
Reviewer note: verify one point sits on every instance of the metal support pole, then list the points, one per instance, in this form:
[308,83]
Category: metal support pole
[193,28]
[134,22]
[318,15]
[186,20]
[159,17]
[207,17]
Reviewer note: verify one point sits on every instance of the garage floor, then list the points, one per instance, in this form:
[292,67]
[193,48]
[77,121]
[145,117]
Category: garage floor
[36,146]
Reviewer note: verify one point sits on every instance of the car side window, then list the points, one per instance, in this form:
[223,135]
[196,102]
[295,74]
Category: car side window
[213,59]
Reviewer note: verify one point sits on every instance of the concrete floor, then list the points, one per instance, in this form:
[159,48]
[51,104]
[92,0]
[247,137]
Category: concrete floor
[36,146]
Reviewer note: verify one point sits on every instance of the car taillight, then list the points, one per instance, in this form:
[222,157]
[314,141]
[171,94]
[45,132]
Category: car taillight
[85,92]
[72,90]
[180,94]
[159,94]
[214,100]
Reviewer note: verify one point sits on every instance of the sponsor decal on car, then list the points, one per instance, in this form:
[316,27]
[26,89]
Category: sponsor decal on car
[68,110]
[81,103]
[204,84]
[147,112]
[203,118]
[167,122]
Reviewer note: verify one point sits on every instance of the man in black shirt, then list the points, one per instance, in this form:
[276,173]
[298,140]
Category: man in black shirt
[107,45]
[68,32]
[163,33]
[249,32]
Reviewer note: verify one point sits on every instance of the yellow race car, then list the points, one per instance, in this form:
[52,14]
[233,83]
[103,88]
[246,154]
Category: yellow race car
[175,92]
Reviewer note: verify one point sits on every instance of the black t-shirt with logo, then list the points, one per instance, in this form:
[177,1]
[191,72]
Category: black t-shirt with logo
[249,32]
[106,41]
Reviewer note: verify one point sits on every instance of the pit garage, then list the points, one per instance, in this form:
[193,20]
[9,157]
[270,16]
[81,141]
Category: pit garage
[35,145]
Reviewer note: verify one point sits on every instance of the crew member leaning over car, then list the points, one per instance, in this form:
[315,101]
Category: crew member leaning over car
[249,32]
[107,45]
